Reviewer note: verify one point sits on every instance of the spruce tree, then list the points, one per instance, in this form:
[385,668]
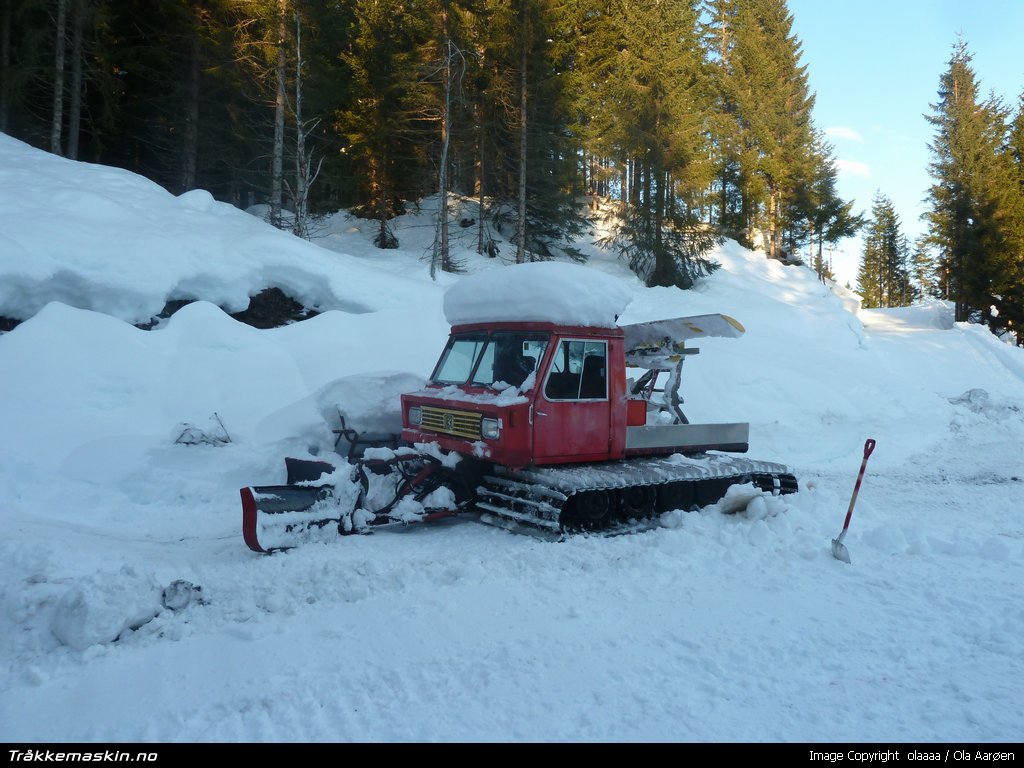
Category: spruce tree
[6,76]
[726,130]
[970,219]
[648,85]
[490,86]
[1008,282]
[383,116]
[541,166]
[883,279]
[816,212]
[923,270]
[767,86]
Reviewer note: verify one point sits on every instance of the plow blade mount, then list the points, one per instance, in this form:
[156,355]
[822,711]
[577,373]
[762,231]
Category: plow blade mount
[280,517]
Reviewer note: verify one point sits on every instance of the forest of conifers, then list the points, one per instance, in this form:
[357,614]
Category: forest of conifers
[691,118]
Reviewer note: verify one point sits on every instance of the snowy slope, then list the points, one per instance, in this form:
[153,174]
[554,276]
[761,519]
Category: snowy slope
[103,238]
[711,628]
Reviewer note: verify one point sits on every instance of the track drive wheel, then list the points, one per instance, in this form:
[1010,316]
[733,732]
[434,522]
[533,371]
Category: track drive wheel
[638,501]
[590,511]
[678,495]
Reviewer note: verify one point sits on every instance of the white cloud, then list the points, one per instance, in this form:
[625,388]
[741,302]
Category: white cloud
[854,168]
[843,132]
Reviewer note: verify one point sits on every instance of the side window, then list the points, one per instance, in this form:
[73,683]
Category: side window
[579,371]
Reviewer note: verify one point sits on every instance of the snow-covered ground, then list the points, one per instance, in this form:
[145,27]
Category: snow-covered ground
[713,627]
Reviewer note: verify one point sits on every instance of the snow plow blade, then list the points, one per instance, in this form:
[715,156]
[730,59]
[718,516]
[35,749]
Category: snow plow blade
[280,517]
[277,517]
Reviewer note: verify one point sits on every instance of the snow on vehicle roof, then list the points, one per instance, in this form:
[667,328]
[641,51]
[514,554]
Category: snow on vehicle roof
[543,291]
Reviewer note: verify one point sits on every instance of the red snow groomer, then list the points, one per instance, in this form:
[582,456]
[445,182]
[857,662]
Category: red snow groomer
[527,423]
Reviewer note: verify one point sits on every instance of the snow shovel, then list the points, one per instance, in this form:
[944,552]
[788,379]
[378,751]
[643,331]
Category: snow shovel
[839,551]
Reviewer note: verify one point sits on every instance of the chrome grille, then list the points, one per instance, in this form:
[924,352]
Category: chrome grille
[459,423]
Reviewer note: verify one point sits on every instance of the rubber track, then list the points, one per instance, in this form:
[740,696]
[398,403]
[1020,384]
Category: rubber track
[536,496]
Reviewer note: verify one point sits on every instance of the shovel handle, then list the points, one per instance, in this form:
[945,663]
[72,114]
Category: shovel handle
[869,446]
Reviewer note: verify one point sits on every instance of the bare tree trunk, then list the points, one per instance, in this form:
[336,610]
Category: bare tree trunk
[5,63]
[521,234]
[305,175]
[624,187]
[277,160]
[638,179]
[480,179]
[378,194]
[441,247]
[301,171]
[190,148]
[779,250]
[75,107]
[57,122]
[664,272]
[724,197]
[381,196]
[452,67]
[746,214]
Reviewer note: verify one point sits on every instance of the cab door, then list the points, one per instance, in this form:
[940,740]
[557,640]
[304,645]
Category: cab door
[572,413]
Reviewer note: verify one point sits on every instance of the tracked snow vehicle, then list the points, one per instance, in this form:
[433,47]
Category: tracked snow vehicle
[527,422]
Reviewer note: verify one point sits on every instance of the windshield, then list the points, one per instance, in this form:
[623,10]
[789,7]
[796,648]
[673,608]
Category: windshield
[458,358]
[505,359]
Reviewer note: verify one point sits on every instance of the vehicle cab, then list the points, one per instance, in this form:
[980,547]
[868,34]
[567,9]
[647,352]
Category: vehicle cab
[523,394]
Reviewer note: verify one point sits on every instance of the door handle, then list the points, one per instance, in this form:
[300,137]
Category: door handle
[530,419]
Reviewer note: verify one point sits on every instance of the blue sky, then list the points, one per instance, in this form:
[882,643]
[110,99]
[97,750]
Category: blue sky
[875,65]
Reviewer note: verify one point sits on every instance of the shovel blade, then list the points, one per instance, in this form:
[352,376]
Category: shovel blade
[839,551]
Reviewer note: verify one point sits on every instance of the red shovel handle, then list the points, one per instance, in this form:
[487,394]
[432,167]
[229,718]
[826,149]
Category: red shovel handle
[869,446]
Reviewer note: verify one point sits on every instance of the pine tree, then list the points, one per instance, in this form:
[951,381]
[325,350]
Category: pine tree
[1008,285]
[883,279]
[491,84]
[727,134]
[968,219]
[924,272]
[648,85]
[767,88]
[291,74]
[6,75]
[541,155]
[816,210]
[177,108]
[326,88]
[382,116]
[27,64]
[264,35]
[446,63]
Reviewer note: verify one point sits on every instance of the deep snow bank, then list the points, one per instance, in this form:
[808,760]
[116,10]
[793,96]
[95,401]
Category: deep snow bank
[102,238]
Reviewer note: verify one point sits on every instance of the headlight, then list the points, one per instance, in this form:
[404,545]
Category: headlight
[490,428]
[415,415]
